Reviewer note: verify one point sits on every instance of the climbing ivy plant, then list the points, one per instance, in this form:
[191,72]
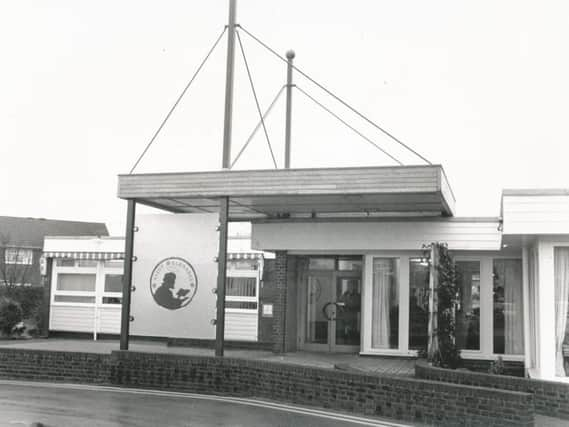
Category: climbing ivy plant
[445,353]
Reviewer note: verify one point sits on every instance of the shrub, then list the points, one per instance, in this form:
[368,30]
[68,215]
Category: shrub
[497,367]
[445,352]
[30,300]
[10,315]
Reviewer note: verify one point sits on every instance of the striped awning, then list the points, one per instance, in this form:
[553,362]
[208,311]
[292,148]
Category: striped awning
[86,255]
[244,255]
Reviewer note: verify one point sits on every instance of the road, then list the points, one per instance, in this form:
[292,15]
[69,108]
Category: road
[26,403]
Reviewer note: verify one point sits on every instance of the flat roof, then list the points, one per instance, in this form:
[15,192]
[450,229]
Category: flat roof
[536,192]
[283,193]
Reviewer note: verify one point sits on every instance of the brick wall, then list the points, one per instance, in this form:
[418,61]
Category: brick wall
[56,366]
[515,369]
[393,397]
[551,398]
[417,400]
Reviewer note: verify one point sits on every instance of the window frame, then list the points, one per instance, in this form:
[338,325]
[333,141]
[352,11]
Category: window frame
[57,270]
[18,259]
[486,351]
[251,274]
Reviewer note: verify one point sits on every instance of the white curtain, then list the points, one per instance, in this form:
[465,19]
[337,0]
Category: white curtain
[513,310]
[382,276]
[561,304]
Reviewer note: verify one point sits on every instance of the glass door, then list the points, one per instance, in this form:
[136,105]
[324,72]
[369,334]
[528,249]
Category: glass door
[332,318]
[319,293]
[347,316]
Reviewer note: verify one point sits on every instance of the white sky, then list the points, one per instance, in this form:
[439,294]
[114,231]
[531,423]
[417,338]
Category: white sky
[481,87]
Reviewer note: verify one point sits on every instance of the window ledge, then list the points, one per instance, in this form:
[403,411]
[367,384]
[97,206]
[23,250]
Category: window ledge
[392,353]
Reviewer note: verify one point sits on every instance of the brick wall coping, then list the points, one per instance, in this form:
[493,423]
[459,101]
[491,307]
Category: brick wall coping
[426,371]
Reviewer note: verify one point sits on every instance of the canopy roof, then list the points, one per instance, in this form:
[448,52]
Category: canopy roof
[302,193]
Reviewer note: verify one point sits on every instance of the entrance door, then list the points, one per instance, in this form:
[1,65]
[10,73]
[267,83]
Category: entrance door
[332,312]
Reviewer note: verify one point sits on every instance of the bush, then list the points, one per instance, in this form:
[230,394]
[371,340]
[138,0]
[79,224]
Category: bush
[30,300]
[10,315]
[497,367]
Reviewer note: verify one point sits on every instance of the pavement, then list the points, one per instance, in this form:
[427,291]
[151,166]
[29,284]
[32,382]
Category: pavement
[347,362]
[49,405]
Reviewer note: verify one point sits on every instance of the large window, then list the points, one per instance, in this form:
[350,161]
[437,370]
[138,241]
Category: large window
[561,277]
[468,309]
[418,303]
[385,303]
[75,288]
[76,282]
[508,310]
[18,256]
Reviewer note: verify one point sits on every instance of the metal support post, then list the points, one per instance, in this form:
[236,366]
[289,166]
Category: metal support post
[221,276]
[226,156]
[290,57]
[127,278]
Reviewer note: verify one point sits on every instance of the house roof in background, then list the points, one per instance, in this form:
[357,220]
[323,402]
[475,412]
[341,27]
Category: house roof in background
[30,232]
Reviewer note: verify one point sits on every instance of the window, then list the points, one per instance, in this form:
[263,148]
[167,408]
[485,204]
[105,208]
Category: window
[75,298]
[468,309]
[350,264]
[418,304]
[242,264]
[76,282]
[112,300]
[65,262]
[241,290]
[113,282]
[385,303]
[241,286]
[321,263]
[114,263]
[508,311]
[561,277]
[18,256]
[86,263]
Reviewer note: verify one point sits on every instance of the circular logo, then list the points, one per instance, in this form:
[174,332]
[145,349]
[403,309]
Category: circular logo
[173,283]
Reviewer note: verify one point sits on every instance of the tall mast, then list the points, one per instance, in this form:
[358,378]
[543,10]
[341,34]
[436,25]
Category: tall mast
[224,201]
[227,125]
[288,125]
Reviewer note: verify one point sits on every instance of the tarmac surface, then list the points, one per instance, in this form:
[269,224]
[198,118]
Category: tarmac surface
[45,404]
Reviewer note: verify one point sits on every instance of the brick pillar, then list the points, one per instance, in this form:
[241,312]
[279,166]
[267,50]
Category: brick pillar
[280,305]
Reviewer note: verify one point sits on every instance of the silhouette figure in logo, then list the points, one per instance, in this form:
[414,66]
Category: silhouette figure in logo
[165,296]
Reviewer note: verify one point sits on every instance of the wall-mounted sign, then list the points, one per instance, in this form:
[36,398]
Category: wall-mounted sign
[267,310]
[173,283]
[173,274]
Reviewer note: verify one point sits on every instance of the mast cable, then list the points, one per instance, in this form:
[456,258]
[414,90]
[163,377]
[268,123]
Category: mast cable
[336,97]
[178,100]
[347,125]
[256,99]
[280,92]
